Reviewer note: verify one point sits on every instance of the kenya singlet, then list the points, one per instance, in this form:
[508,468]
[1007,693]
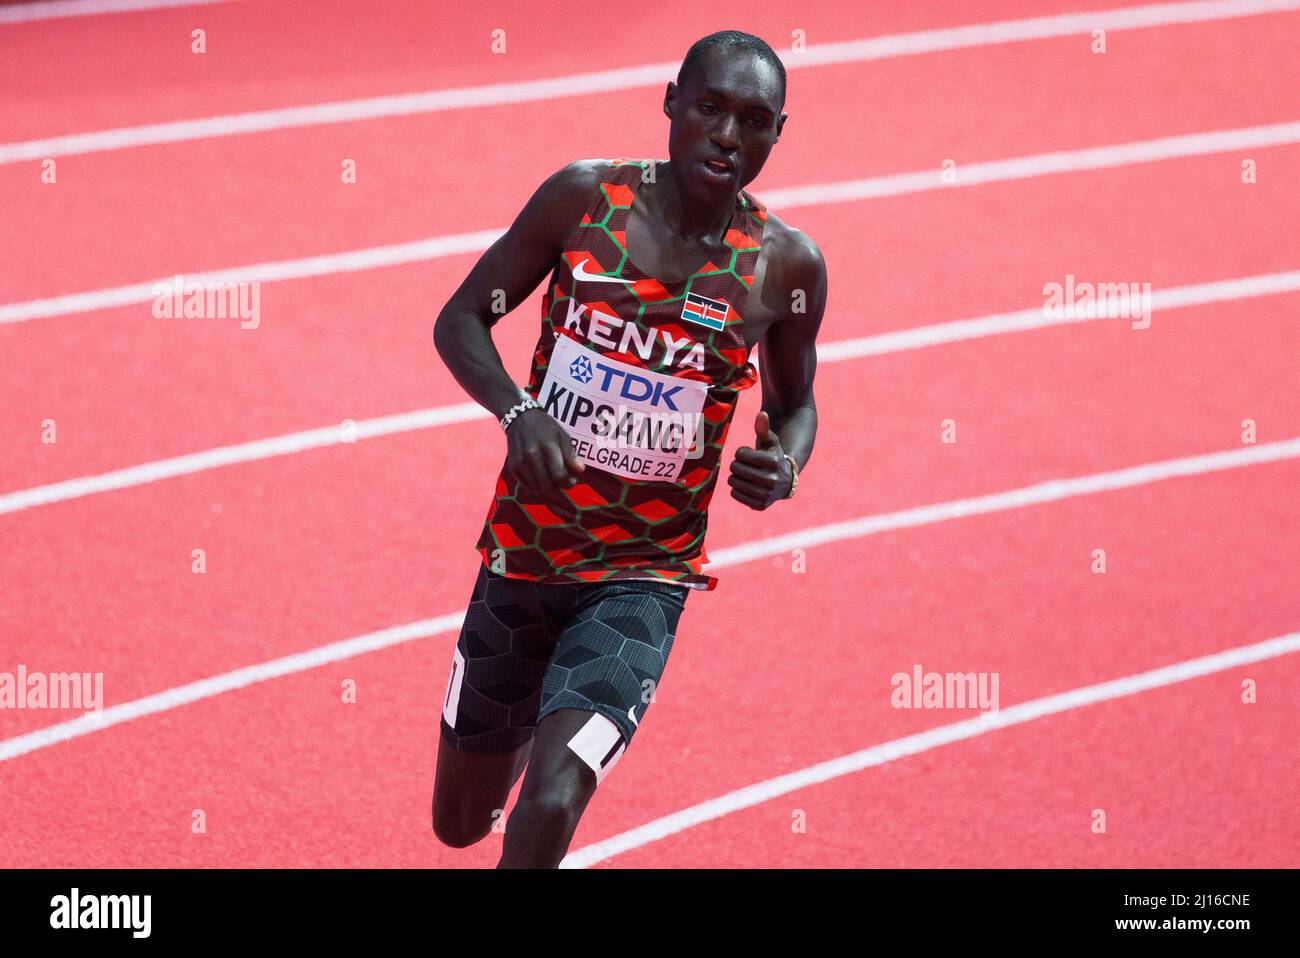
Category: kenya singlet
[644,377]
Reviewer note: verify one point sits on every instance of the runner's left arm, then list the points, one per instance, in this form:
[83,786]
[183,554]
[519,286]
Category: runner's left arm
[788,364]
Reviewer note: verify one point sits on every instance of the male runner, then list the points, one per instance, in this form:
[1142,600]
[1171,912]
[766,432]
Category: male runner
[663,277]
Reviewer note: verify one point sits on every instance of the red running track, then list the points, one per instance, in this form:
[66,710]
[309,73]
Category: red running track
[308,549]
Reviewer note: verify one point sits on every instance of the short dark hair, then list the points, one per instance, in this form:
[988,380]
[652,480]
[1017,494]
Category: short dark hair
[732,40]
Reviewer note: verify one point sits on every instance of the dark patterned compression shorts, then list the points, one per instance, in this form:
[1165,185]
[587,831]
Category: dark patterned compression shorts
[529,648]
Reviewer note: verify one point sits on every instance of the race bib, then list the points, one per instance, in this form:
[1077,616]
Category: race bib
[621,418]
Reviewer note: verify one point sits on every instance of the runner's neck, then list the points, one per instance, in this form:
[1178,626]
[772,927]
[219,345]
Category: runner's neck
[692,222]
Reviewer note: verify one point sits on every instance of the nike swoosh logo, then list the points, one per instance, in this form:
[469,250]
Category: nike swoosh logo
[582,274]
[633,717]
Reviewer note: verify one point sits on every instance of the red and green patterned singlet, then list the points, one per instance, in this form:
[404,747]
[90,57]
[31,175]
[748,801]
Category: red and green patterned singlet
[645,377]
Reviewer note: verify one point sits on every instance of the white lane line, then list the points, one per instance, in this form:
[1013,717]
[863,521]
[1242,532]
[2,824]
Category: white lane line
[242,452]
[604,81]
[729,556]
[58,9]
[899,184]
[765,791]
[352,261]
[1052,490]
[1040,164]
[227,681]
[1172,298]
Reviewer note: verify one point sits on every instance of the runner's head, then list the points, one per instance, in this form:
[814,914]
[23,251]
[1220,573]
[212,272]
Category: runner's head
[725,106]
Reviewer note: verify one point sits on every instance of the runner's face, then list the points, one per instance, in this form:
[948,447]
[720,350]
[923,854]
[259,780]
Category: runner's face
[730,110]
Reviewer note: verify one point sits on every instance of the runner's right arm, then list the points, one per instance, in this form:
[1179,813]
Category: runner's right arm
[540,454]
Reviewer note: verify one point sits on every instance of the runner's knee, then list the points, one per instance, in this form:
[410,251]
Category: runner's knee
[553,810]
[454,832]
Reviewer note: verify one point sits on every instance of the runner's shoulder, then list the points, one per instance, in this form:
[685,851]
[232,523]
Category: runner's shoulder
[793,258]
[566,193]
[576,181]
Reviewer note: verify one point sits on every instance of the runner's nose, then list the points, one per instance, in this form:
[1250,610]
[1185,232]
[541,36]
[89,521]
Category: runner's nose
[725,132]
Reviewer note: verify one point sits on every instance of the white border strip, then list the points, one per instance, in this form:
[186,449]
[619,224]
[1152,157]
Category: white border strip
[974,174]
[58,9]
[734,555]
[1173,298]
[853,51]
[765,791]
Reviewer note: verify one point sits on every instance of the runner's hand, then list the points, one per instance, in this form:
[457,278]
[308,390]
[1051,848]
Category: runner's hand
[540,456]
[761,476]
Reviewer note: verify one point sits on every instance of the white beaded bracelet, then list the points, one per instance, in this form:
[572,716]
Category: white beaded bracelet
[517,408]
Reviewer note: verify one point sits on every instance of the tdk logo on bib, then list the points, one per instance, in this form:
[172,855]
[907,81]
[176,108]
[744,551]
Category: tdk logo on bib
[638,388]
[580,369]
[622,418]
